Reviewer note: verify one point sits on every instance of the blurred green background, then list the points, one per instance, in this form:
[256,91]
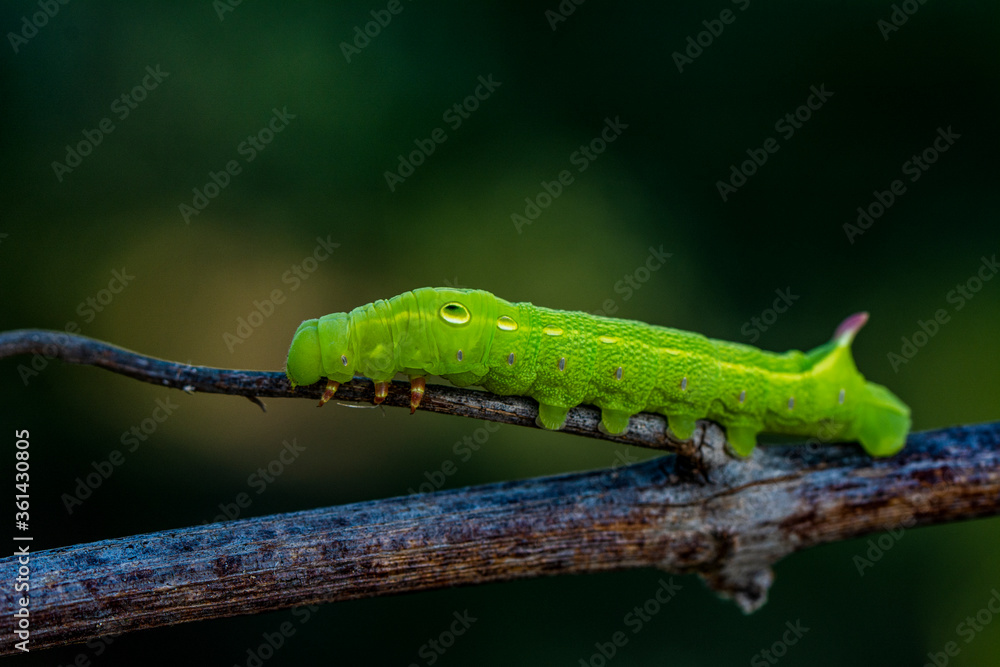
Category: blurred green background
[223,72]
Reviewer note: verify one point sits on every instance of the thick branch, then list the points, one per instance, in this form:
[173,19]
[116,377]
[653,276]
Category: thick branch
[729,530]
[645,430]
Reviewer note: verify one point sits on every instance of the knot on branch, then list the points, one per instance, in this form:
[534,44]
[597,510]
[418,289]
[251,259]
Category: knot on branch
[747,587]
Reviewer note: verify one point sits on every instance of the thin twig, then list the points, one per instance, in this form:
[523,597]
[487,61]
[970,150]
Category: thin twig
[645,430]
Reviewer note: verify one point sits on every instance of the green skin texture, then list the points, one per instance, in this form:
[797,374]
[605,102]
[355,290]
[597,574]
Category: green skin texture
[563,359]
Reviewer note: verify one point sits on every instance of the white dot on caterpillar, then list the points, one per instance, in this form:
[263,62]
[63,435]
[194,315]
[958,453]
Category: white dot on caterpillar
[791,402]
[743,395]
[618,373]
[459,355]
[343,359]
[842,396]
[684,384]
[562,364]
[510,359]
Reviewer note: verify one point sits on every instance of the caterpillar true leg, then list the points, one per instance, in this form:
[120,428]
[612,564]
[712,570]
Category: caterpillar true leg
[331,389]
[381,391]
[417,386]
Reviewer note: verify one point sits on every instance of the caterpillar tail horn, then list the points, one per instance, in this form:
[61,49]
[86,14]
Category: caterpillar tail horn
[883,420]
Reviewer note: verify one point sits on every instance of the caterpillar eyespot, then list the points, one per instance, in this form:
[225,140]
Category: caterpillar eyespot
[567,358]
[455,313]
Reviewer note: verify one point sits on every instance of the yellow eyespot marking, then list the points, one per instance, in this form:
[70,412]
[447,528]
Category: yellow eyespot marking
[455,313]
[552,331]
[608,339]
[505,323]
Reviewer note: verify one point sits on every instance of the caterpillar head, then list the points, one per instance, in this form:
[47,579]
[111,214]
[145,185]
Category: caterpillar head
[320,348]
[435,331]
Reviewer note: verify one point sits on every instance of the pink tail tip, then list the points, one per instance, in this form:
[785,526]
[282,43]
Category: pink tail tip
[849,328]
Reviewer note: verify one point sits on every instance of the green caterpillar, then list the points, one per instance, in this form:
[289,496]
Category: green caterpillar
[563,359]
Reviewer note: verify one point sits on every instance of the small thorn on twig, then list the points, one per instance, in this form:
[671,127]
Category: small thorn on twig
[256,401]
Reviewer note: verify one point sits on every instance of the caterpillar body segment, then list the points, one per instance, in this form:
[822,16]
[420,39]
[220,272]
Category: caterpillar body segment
[564,358]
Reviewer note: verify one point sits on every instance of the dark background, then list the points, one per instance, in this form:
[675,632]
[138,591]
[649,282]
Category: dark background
[450,223]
